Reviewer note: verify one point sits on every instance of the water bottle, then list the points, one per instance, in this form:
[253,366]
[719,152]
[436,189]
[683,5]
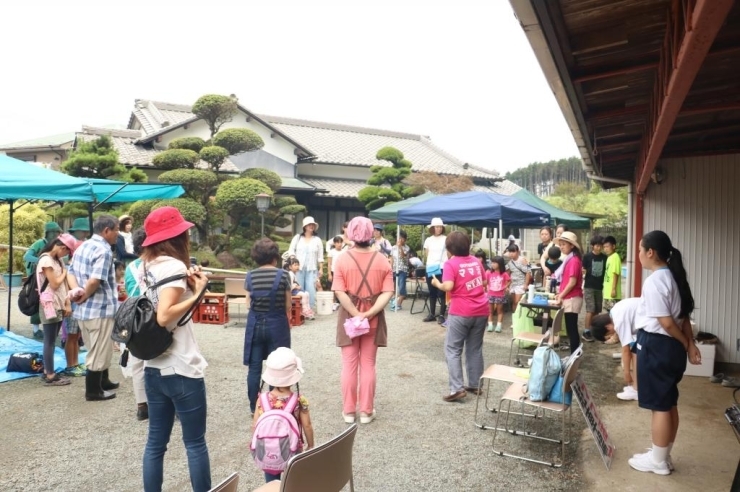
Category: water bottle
[531,293]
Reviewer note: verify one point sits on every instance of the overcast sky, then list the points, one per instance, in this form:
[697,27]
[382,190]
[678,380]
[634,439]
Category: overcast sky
[460,72]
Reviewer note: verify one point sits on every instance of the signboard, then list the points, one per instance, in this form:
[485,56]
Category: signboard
[593,419]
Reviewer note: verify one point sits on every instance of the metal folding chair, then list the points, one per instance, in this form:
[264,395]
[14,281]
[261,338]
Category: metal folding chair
[514,394]
[422,293]
[557,324]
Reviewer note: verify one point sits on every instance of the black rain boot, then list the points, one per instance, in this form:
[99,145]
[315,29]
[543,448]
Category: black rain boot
[106,384]
[142,411]
[93,390]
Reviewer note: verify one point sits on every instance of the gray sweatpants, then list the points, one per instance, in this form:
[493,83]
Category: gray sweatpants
[464,331]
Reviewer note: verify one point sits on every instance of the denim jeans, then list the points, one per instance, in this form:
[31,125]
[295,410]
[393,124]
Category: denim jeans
[186,396]
[307,280]
[269,477]
[264,341]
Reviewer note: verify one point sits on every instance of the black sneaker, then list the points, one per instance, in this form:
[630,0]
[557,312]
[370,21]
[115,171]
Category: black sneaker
[38,335]
[587,336]
[429,318]
[440,319]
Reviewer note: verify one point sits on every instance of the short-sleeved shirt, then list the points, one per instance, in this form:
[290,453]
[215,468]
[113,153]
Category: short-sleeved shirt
[183,355]
[613,267]
[518,272]
[60,293]
[334,254]
[94,260]
[309,253]
[497,283]
[573,269]
[402,264]
[436,251]
[624,314]
[660,297]
[348,277]
[262,280]
[382,246]
[468,296]
[129,279]
[595,266]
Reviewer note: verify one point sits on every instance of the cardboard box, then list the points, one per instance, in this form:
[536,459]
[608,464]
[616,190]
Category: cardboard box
[706,368]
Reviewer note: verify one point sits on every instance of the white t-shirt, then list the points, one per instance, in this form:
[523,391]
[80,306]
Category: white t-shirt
[436,252]
[660,297]
[623,316]
[333,254]
[183,355]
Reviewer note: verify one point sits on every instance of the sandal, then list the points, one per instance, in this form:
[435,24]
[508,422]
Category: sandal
[57,380]
[717,378]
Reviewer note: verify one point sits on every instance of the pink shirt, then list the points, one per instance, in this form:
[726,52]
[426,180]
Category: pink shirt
[468,296]
[497,283]
[574,268]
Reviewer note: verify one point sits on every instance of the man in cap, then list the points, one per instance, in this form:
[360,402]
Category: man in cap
[31,259]
[92,267]
[80,228]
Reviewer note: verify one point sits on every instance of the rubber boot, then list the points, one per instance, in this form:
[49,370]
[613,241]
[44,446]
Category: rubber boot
[93,390]
[107,384]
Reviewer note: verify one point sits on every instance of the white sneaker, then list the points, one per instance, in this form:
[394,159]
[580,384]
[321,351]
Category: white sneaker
[335,306]
[349,418]
[644,463]
[366,419]
[669,462]
[628,394]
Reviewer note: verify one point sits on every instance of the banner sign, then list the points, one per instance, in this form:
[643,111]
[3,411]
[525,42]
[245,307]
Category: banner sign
[593,419]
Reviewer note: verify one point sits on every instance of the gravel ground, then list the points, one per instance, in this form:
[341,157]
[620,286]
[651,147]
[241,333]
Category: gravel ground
[54,440]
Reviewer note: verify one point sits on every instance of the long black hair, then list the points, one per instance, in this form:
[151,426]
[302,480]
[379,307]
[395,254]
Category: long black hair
[49,246]
[659,242]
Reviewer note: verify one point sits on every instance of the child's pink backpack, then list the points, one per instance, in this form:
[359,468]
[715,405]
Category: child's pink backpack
[277,436]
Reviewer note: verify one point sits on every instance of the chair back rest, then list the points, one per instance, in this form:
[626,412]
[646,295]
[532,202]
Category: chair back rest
[571,370]
[234,287]
[231,484]
[326,468]
[557,321]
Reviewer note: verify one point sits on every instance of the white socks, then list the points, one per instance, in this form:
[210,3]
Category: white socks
[36,328]
[660,454]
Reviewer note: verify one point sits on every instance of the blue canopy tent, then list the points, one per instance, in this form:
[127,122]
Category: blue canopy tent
[475,209]
[25,181]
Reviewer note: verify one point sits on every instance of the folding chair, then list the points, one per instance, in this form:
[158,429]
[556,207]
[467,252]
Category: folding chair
[422,293]
[500,372]
[325,468]
[514,394]
[230,484]
[557,324]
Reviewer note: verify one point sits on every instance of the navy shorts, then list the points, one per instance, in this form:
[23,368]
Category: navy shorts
[661,361]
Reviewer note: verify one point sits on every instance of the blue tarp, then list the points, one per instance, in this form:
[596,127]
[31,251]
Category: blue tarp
[11,343]
[475,209]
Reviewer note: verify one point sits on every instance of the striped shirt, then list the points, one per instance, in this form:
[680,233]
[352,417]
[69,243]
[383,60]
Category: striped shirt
[262,279]
[94,260]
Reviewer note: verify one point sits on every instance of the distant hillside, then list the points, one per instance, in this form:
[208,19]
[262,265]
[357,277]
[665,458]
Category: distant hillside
[541,177]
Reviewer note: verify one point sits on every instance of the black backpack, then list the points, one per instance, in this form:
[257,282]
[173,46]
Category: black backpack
[28,297]
[135,324]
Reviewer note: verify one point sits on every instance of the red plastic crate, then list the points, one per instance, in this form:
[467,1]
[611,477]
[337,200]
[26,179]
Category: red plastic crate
[213,310]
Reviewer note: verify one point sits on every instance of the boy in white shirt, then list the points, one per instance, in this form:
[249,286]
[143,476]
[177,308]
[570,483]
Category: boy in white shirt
[621,320]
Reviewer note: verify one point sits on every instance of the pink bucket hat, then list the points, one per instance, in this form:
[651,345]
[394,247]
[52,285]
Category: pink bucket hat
[360,229]
[70,242]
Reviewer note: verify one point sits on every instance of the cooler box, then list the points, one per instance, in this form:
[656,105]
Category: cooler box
[706,368]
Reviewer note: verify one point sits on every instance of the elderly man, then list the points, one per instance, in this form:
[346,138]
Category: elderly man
[92,267]
[31,259]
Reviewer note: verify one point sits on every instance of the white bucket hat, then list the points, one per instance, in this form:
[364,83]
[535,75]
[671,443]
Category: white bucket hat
[309,220]
[436,222]
[283,368]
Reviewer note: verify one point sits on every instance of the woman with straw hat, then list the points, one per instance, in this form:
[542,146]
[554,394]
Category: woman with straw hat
[309,250]
[570,277]
[436,257]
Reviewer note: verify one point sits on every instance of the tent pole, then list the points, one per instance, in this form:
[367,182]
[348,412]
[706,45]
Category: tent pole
[501,228]
[398,260]
[109,197]
[10,264]
[90,209]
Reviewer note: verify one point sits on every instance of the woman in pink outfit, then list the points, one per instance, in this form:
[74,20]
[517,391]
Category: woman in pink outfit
[363,284]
